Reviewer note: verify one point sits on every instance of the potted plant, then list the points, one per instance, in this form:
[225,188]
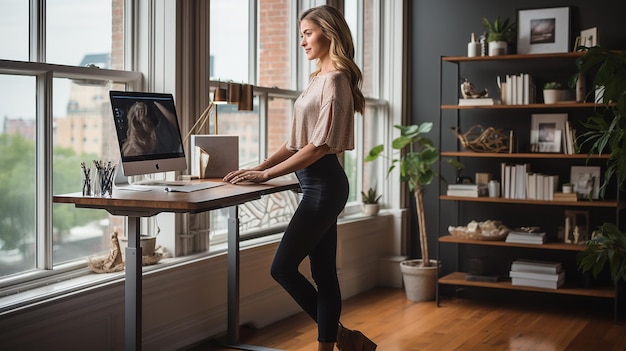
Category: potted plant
[369,201]
[501,33]
[552,92]
[606,248]
[416,162]
[567,188]
[605,134]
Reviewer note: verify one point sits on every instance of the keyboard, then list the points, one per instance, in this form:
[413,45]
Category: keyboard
[187,188]
[162,182]
[171,186]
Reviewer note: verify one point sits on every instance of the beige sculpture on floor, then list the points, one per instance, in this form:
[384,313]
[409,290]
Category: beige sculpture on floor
[111,263]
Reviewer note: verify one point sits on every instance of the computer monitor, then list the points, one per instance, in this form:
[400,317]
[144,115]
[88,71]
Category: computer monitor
[148,132]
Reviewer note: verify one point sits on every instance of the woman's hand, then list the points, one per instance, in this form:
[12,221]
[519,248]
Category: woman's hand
[245,175]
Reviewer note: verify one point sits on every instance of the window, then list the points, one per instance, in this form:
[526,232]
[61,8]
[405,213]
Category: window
[55,115]
[273,58]
[78,33]
[17,159]
[14,20]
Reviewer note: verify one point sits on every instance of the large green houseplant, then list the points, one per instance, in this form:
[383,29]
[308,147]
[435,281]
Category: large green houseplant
[605,135]
[416,158]
[416,169]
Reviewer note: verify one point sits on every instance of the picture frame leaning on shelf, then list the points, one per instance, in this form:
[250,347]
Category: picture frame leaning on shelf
[547,132]
[586,181]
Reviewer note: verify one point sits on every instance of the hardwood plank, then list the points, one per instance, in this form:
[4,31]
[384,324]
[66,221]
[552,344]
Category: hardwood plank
[397,324]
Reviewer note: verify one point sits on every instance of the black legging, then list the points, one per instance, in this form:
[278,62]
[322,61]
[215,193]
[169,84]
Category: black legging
[312,231]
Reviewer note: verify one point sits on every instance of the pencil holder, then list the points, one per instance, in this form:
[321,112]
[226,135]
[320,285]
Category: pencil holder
[102,184]
[86,179]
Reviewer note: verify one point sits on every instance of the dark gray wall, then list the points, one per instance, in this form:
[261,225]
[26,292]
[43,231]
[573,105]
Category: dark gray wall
[443,28]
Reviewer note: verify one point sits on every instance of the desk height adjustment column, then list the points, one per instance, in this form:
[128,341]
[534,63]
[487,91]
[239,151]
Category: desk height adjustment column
[233,285]
[133,285]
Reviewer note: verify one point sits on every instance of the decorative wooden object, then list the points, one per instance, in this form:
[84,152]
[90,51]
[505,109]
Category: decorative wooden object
[479,139]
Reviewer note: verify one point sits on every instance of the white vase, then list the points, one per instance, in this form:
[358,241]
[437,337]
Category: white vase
[551,96]
[497,48]
[370,209]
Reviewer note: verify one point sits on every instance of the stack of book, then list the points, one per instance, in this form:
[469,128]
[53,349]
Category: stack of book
[541,186]
[519,89]
[526,235]
[539,274]
[519,182]
[565,197]
[467,190]
[479,102]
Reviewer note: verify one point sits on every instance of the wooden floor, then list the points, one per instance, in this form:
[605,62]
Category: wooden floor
[460,323]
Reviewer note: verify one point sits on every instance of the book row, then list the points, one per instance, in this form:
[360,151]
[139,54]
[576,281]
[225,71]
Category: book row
[539,274]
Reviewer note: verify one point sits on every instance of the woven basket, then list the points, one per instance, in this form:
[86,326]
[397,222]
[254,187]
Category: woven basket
[488,230]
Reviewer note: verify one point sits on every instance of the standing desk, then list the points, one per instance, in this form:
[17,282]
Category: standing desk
[137,204]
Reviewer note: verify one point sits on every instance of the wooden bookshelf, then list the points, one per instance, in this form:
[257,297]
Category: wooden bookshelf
[458,278]
[558,105]
[562,55]
[531,155]
[451,115]
[502,200]
[547,246]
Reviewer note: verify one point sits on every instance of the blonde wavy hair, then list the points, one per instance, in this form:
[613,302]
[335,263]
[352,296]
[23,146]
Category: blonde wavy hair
[334,27]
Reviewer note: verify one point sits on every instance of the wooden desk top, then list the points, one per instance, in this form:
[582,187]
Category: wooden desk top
[149,203]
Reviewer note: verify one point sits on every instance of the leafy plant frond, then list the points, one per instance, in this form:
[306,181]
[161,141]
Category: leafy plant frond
[607,248]
[500,29]
[605,131]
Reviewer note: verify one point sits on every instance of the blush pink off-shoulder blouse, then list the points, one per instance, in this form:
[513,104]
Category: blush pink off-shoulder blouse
[324,114]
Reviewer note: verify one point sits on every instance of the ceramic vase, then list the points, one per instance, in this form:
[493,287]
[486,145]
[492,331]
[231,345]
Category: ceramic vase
[497,48]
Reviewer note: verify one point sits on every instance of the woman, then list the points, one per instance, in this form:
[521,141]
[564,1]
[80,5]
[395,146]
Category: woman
[322,127]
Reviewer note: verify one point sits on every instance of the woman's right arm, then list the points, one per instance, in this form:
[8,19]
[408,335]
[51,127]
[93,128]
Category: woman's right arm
[277,157]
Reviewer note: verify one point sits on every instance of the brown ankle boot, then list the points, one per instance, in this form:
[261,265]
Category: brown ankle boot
[353,340]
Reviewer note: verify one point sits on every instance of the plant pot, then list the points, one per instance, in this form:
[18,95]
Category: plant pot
[370,209]
[497,48]
[147,243]
[551,96]
[420,283]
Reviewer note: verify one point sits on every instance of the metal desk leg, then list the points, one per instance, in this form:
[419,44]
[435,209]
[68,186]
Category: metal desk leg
[233,285]
[133,286]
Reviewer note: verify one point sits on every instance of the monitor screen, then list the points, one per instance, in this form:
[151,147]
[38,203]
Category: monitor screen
[147,132]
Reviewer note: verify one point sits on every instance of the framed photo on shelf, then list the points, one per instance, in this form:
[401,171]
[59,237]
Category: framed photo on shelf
[576,228]
[586,181]
[547,132]
[544,30]
[589,37]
